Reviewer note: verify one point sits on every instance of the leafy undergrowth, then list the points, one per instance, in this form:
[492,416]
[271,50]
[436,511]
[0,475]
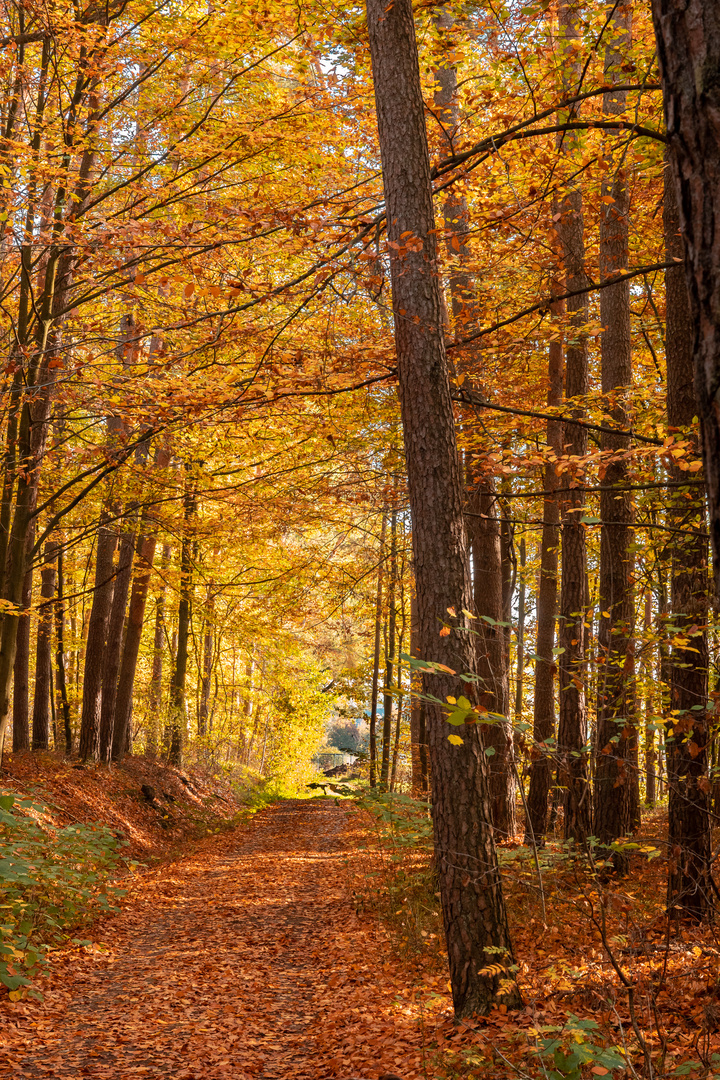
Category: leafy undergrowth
[599,934]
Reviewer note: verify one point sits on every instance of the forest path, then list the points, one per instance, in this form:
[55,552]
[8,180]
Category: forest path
[232,963]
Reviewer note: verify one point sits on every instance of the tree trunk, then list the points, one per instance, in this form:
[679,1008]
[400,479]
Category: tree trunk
[178,717]
[389,655]
[114,644]
[545,666]
[687,735]
[376,655]
[60,678]
[572,726]
[207,664]
[490,654]
[418,734]
[473,908]
[95,649]
[131,650]
[688,40]
[616,734]
[21,665]
[43,655]
[155,703]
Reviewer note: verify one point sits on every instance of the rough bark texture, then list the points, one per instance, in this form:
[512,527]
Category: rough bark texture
[43,653]
[687,732]
[572,726]
[616,735]
[473,909]
[688,40]
[95,649]
[114,644]
[545,666]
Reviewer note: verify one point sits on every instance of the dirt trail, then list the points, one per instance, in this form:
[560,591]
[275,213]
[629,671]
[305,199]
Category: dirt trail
[242,964]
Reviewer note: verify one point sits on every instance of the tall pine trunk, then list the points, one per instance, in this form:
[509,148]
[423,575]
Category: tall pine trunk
[688,40]
[573,723]
[687,734]
[474,914]
[615,779]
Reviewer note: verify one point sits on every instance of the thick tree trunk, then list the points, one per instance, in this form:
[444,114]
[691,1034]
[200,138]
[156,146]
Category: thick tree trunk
[43,654]
[616,734]
[114,644]
[688,730]
[95,649]
[473,908]
[572,726]
[688,40]
[545,666]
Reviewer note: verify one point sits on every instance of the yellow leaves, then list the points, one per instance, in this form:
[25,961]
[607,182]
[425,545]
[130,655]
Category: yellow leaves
[455,740]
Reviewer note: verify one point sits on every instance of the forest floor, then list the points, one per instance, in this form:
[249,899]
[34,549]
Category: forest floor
[244,960]
[300,945]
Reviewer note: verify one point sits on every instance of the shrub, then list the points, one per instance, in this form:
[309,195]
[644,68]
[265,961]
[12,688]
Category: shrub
[51,881]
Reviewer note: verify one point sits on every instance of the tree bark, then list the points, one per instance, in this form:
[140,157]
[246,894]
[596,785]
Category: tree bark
[473,908]
[60,677]
[21,665]
[572,726]
[545,666]
[687,734]
[616,734]
[95,649]
[114,644]
[155,703]
[178,715]
[207,663]
[389,654]
[688,41]
[131,649]
[491,666]
[43,654]
[376,655]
